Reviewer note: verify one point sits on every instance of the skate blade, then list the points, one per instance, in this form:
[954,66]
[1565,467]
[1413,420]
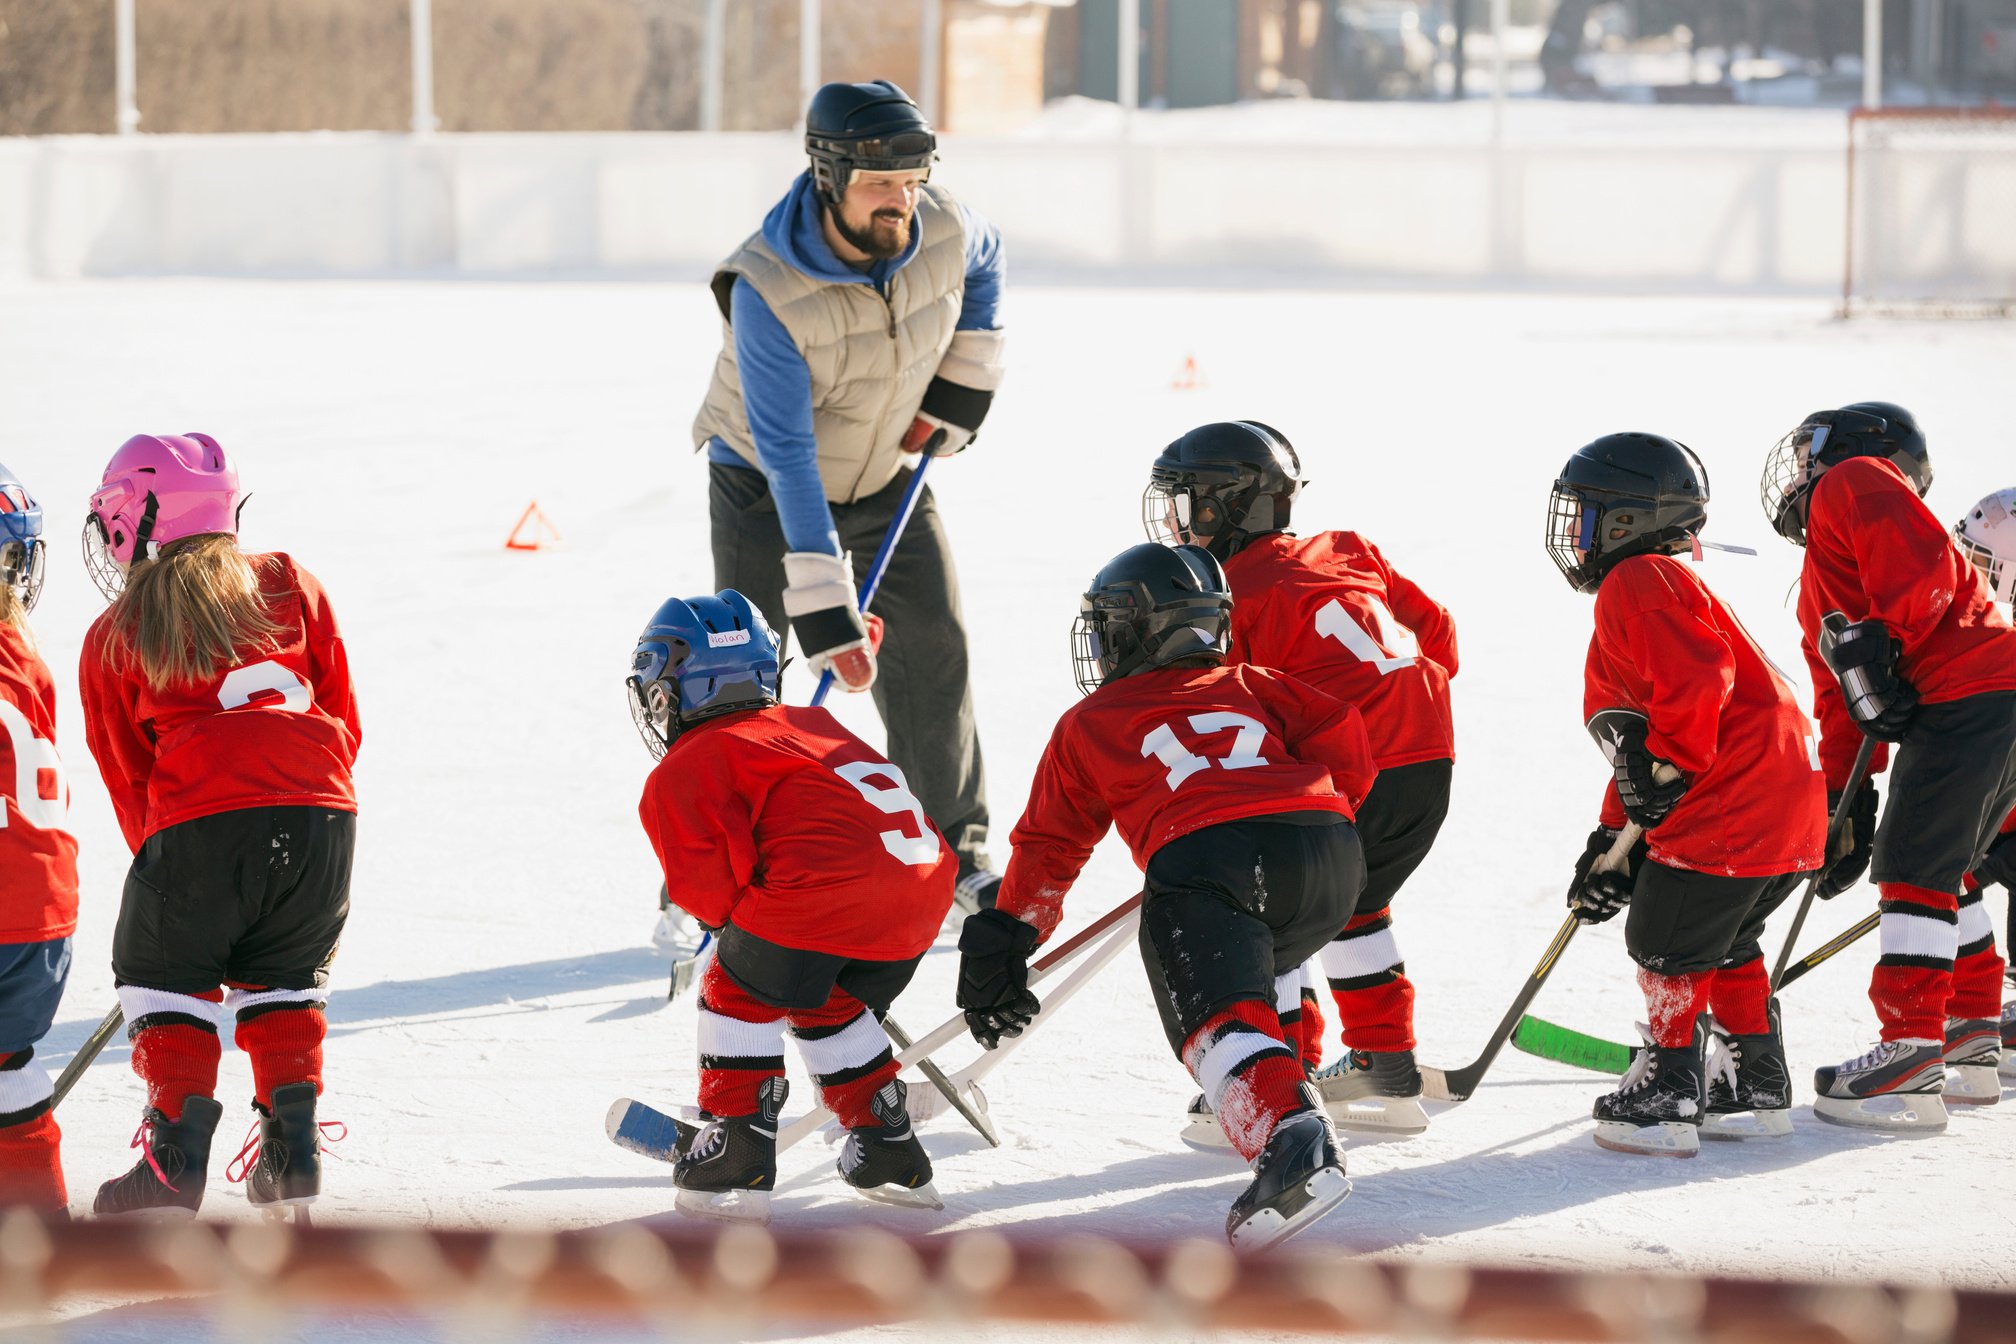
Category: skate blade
[1381,1115]
[2007,1068]
[726,1206]
[1205,1134]
[169,1214]
[924,1196]
[1666,1139]
[293,1211]
[1771,1124]
[1973,1084]
[1326,1189]
[1896,1112]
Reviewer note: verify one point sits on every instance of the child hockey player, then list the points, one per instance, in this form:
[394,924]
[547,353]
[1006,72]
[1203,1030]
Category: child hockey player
[1329,610]
[1234,787]
[1673,678]
[814,863]
[217,702]
[1986,536]
[1925,661]
[38,861]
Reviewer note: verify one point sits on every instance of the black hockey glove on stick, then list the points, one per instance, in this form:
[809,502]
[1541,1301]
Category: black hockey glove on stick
[1602,886]
[994,950]
[1863,658]
[1844,868]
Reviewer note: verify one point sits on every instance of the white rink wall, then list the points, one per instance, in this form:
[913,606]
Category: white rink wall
[1566,196]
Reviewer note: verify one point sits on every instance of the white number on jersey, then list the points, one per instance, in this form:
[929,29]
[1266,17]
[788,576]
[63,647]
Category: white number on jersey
[32,756]
[254,680]
[1163,744]
[917,850]
[1389,646]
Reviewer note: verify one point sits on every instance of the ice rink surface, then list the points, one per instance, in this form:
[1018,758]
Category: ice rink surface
[495,989]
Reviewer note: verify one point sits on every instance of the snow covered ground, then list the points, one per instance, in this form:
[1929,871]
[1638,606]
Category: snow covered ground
[495,989]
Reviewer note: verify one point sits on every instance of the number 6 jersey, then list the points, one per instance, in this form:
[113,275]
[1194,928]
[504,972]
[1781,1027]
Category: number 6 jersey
[1165,752]
[788,825]
[279,729]
[38,858]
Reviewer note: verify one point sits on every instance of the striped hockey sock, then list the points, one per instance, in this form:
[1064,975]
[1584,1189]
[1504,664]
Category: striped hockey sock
[281,1031]
[849,1061]
[1913,978]
[1977,966]
[1375,999]
[31,1163]
[1248,1073]
[175,1045]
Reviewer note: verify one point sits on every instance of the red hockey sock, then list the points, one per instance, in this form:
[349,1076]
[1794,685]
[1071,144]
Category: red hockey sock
[849,1101]
[1913,978]
[1248,1073]
[1375,999]
[741,1044]
[284,1043]
[1978,967]
[1740,998]
[1309,1031]
[31,1165]
[1672,1002]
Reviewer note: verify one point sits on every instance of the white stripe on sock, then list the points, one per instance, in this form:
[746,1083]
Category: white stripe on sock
[138,1002]
[850,1048]
[237,1001]
[1288,992]
[1974,922]
[732,1038]
[1354,958]
[23,1087]
[1916,936]
[1225,1055]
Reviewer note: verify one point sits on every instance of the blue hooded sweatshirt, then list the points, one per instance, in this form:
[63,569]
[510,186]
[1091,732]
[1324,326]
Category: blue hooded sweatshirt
[777,385]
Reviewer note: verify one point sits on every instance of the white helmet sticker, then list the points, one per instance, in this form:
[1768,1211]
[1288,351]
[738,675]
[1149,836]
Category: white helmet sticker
[724,639]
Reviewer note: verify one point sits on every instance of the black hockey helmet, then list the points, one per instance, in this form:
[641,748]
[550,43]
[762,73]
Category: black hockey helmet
[1221,485]
[1864,429]
[874,128]
[1624,495]
[1150,606]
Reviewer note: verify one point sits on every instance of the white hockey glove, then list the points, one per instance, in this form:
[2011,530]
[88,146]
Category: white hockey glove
[819,599]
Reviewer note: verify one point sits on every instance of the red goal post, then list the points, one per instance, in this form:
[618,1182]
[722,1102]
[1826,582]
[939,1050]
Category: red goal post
[1931,217]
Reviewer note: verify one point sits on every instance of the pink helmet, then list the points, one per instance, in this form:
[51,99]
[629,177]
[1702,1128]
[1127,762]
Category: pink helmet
[158,488]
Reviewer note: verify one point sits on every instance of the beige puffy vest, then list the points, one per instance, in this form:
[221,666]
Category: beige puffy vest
[870,358]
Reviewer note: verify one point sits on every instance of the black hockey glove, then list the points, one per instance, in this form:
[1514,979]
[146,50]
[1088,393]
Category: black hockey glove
[1850,858]
[1999,864]
[1863,657]
[1594,896]
[1646,801]
[994,950]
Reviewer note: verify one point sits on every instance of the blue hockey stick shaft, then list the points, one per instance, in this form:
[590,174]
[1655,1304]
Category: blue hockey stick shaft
[887,549]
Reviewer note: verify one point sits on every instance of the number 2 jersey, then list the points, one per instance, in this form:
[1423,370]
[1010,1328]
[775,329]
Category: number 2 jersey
[278,729]
[1666,647]
[1165,752]
[1329,610]
[784,823]
[38,857]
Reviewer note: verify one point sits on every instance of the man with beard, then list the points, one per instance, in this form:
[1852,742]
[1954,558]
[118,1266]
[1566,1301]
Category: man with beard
[862,327]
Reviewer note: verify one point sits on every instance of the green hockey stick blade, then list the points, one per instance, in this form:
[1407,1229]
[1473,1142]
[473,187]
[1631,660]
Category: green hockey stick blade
[1564,1045]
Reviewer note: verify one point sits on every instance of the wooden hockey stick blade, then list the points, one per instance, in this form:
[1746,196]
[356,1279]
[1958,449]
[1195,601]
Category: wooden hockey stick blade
[1860,929]
[945,1086]
[1565,1045]
[93,1044]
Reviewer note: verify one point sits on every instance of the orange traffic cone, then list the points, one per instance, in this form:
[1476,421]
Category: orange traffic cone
[534,531]
[1187,378]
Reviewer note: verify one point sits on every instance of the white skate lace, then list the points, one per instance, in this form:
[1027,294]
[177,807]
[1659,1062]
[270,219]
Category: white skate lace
[1723,1056]
[1878,1055]
[1640,1073]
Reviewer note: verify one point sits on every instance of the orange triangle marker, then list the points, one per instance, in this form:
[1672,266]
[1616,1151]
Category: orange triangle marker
[1187,378]
[534,531]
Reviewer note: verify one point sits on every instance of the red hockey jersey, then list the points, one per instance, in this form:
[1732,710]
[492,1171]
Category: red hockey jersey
[279,729]
[1170,751]
[1329,610]
[1669,649]
[38,857]
[1875,552]
[796,830]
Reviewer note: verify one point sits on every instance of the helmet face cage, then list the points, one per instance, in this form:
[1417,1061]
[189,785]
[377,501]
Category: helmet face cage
[1121,629]
[651,696]
[1623,495]
[100,563]
[1987,537]
[1789,474]
[22,551]
[698,659]
[1573,526]
[1165,512]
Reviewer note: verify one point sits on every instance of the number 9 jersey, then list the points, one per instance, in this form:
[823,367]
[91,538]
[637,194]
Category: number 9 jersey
[279,729]
[1329,610]
[38,857]
[788,825]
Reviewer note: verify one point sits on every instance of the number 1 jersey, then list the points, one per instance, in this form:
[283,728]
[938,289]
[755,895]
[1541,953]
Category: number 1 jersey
[38,857]
[1330,610]
[277,729]
[788,825]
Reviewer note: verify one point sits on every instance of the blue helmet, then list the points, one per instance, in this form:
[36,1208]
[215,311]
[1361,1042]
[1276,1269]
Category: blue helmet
[697,658]
[22,550]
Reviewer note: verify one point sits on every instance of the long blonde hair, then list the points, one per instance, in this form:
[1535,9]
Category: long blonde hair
[191,612]
[15,613]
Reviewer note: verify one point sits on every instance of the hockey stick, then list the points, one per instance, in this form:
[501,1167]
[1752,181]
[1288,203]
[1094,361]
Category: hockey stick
[1856,775]
[945,1086]
[955,1026]
[1839,942]
[93,1044]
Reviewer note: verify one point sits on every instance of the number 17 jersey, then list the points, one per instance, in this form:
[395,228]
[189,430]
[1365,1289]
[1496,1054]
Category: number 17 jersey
[1329,610]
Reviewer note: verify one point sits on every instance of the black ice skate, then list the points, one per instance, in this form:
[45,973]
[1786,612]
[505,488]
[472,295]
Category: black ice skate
[281,1162]
[1749,1089]
[1657,1110]
[1973,1054]
[1298,1177]
[1895,1086]
[1375,1091]
[883,1160]
[167,1181]
[732,1166]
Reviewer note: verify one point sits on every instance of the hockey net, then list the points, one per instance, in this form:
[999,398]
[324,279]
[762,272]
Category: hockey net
[695,1281]
[1931,212]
